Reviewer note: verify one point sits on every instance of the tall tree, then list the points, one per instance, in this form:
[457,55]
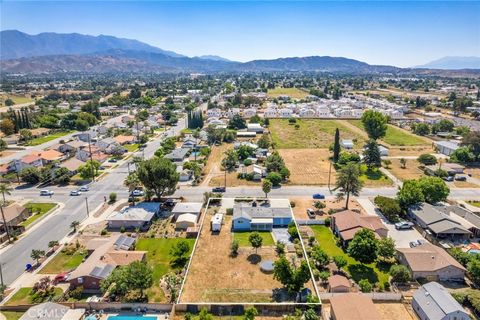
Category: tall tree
[363,247]
[348,181]
[5,189]
[336,146]
[255,240]
[158,175]
[266,187]
[371,155]
[375,124]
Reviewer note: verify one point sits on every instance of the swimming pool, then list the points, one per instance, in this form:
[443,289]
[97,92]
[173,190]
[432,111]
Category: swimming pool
[473,251]
[131,318]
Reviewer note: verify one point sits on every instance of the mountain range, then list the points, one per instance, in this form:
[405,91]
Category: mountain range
[453,63]
[53,52]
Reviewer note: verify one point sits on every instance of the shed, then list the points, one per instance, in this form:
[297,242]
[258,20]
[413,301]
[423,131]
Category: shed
[185,221]
[347,144]
[338,283]
[216,222]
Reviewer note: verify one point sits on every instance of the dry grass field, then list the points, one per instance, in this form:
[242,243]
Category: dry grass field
[303,203]
[394,311]
[411,171]
[409,151]
[308,166]
[293,93]
[215,276]
[311,133]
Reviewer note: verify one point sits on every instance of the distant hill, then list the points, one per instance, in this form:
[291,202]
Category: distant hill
[16,44]
[214,58]
[453,63]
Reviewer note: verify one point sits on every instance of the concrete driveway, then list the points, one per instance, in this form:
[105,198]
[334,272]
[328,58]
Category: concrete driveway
[402,237]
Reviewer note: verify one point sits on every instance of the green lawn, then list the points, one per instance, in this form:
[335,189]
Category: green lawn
[38,211]
[12,315]
[375,272]
[23,296]
[63,262]
[396,136]
[131,147]
[293,93]
[158,256]
[374,178]
[50,137]
[474,203]
[242,238]
[312,133]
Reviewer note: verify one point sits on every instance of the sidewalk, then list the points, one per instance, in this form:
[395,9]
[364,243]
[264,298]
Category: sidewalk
[395,180]
[27,279]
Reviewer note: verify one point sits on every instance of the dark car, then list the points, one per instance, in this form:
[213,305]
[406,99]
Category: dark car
[169,203]
[318,196]
[311,213]
[219,189]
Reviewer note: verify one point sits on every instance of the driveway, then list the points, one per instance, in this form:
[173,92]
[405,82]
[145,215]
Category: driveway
[402,237]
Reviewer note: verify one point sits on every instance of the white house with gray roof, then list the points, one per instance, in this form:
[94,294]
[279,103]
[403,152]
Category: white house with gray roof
[138,216]
[248,216]
[433,302]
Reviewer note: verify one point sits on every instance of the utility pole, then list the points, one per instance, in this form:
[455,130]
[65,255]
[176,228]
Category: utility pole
[91,157]
[225,180]
[86,204]
[329,173]
[128,166]
[1,275]
[5,224]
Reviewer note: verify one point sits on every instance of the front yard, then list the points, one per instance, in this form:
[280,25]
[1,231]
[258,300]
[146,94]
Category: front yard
[23,296]
[375,272]
[131,147]
[12,315]
[242,238]
[50,137]
[38,210]
[64,262]
[158,257]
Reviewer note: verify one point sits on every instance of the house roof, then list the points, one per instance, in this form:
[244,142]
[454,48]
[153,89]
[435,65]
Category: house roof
[247,211]
[349,222]
[436,301]
[187,207]
[46,310]
[187,217]
[124,139]
[353,306]
[337,280]
[12,212]
[428,213]
[76,144]
[447,144]
[50,155]
[72,164]
[30,158]
[448,227]
[428,257]
[179,153]
[143,211]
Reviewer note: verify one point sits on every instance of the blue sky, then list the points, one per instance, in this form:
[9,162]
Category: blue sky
[404,33]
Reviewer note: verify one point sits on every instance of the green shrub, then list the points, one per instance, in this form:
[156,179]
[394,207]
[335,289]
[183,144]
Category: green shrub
[390,207]
[427,159]
[365,286]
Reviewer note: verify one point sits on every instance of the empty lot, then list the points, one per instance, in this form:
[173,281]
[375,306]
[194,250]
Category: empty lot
[308,166]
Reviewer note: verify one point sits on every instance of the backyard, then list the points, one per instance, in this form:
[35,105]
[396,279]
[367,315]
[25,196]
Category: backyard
[293,93]
[47,138]
[64,262]
[375,272]
[38,210]
[311,133]
[158,257]
[242,238]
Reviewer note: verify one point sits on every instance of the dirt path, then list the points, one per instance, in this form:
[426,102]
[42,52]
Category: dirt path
[212,169]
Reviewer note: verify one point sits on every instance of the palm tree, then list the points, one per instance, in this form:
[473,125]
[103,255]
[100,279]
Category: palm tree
[5,189]
[348,181]
[132,181]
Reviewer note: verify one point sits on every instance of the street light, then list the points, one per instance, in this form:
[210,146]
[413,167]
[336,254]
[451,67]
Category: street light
[86,204]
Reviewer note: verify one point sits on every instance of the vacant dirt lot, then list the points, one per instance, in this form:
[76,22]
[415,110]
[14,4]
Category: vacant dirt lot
[303,203]
[411,171]
[409,151]
[308,166]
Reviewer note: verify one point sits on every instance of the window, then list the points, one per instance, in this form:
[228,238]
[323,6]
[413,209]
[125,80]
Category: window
[80,280]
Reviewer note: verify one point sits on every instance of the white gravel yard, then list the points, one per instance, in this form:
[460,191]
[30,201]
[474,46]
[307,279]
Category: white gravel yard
[402,237]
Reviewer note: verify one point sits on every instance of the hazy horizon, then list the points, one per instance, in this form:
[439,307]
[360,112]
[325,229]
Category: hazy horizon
[402,34]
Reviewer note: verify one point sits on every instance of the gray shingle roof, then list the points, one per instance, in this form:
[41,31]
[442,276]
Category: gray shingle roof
[435,301]
[245,210]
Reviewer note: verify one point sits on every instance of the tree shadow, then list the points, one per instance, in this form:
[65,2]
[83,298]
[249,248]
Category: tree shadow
[254,258]
[281,295]
[361,271]
[179,263]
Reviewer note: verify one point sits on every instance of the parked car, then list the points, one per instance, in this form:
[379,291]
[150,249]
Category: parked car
[421,241]
[403,225]
[112,160]
[84,188]
[137,193]
[46,192]
[413,244]
[218,189]
[311,213]
[318,196]
[75,193]
[448,178]
[461,178]
[169,203]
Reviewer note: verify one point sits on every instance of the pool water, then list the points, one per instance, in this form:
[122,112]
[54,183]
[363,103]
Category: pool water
[473,251]
[131,318]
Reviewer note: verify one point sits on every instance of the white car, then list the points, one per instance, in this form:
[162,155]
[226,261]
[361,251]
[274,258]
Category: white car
[84,189]
[137,193]
[75,193]
[46,192]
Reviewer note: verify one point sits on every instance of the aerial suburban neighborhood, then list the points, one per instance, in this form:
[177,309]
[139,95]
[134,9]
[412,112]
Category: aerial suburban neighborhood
[139,183]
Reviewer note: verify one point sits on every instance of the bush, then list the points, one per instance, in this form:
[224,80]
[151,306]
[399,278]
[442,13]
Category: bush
[234,248]
[292,230]
[328,221]
[122,229]
[427,159]
[76,293]
[275,178]
[113,197]
[104,232]
[346,157]
[386,286]
[247,162]
[229,211]
[390,208]
[400,273]
[280,248]
[365,286]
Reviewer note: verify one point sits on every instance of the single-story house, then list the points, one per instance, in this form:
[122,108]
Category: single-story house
[338,283]
[249,216]
[184,174]
[346,224]
[190,143]
[104,143]
[246,134]
[431,262]
[433,302]
[185,221]
[50,156]
[178,155]
[350,306]
[187,207]
[124,139]
[255,127]
[86,136]
[439,223]
[138,216]
[451,168]
[465,217]
[47,311]
[383,151]
[30,160]
[72,164]
[347,144]
[258,172]
[14,214]
[446,147]
[106,256]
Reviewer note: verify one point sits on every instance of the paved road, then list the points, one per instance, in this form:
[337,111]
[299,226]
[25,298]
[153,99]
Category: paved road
[57,226]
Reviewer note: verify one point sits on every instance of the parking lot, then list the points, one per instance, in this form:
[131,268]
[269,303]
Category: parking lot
[402,237]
